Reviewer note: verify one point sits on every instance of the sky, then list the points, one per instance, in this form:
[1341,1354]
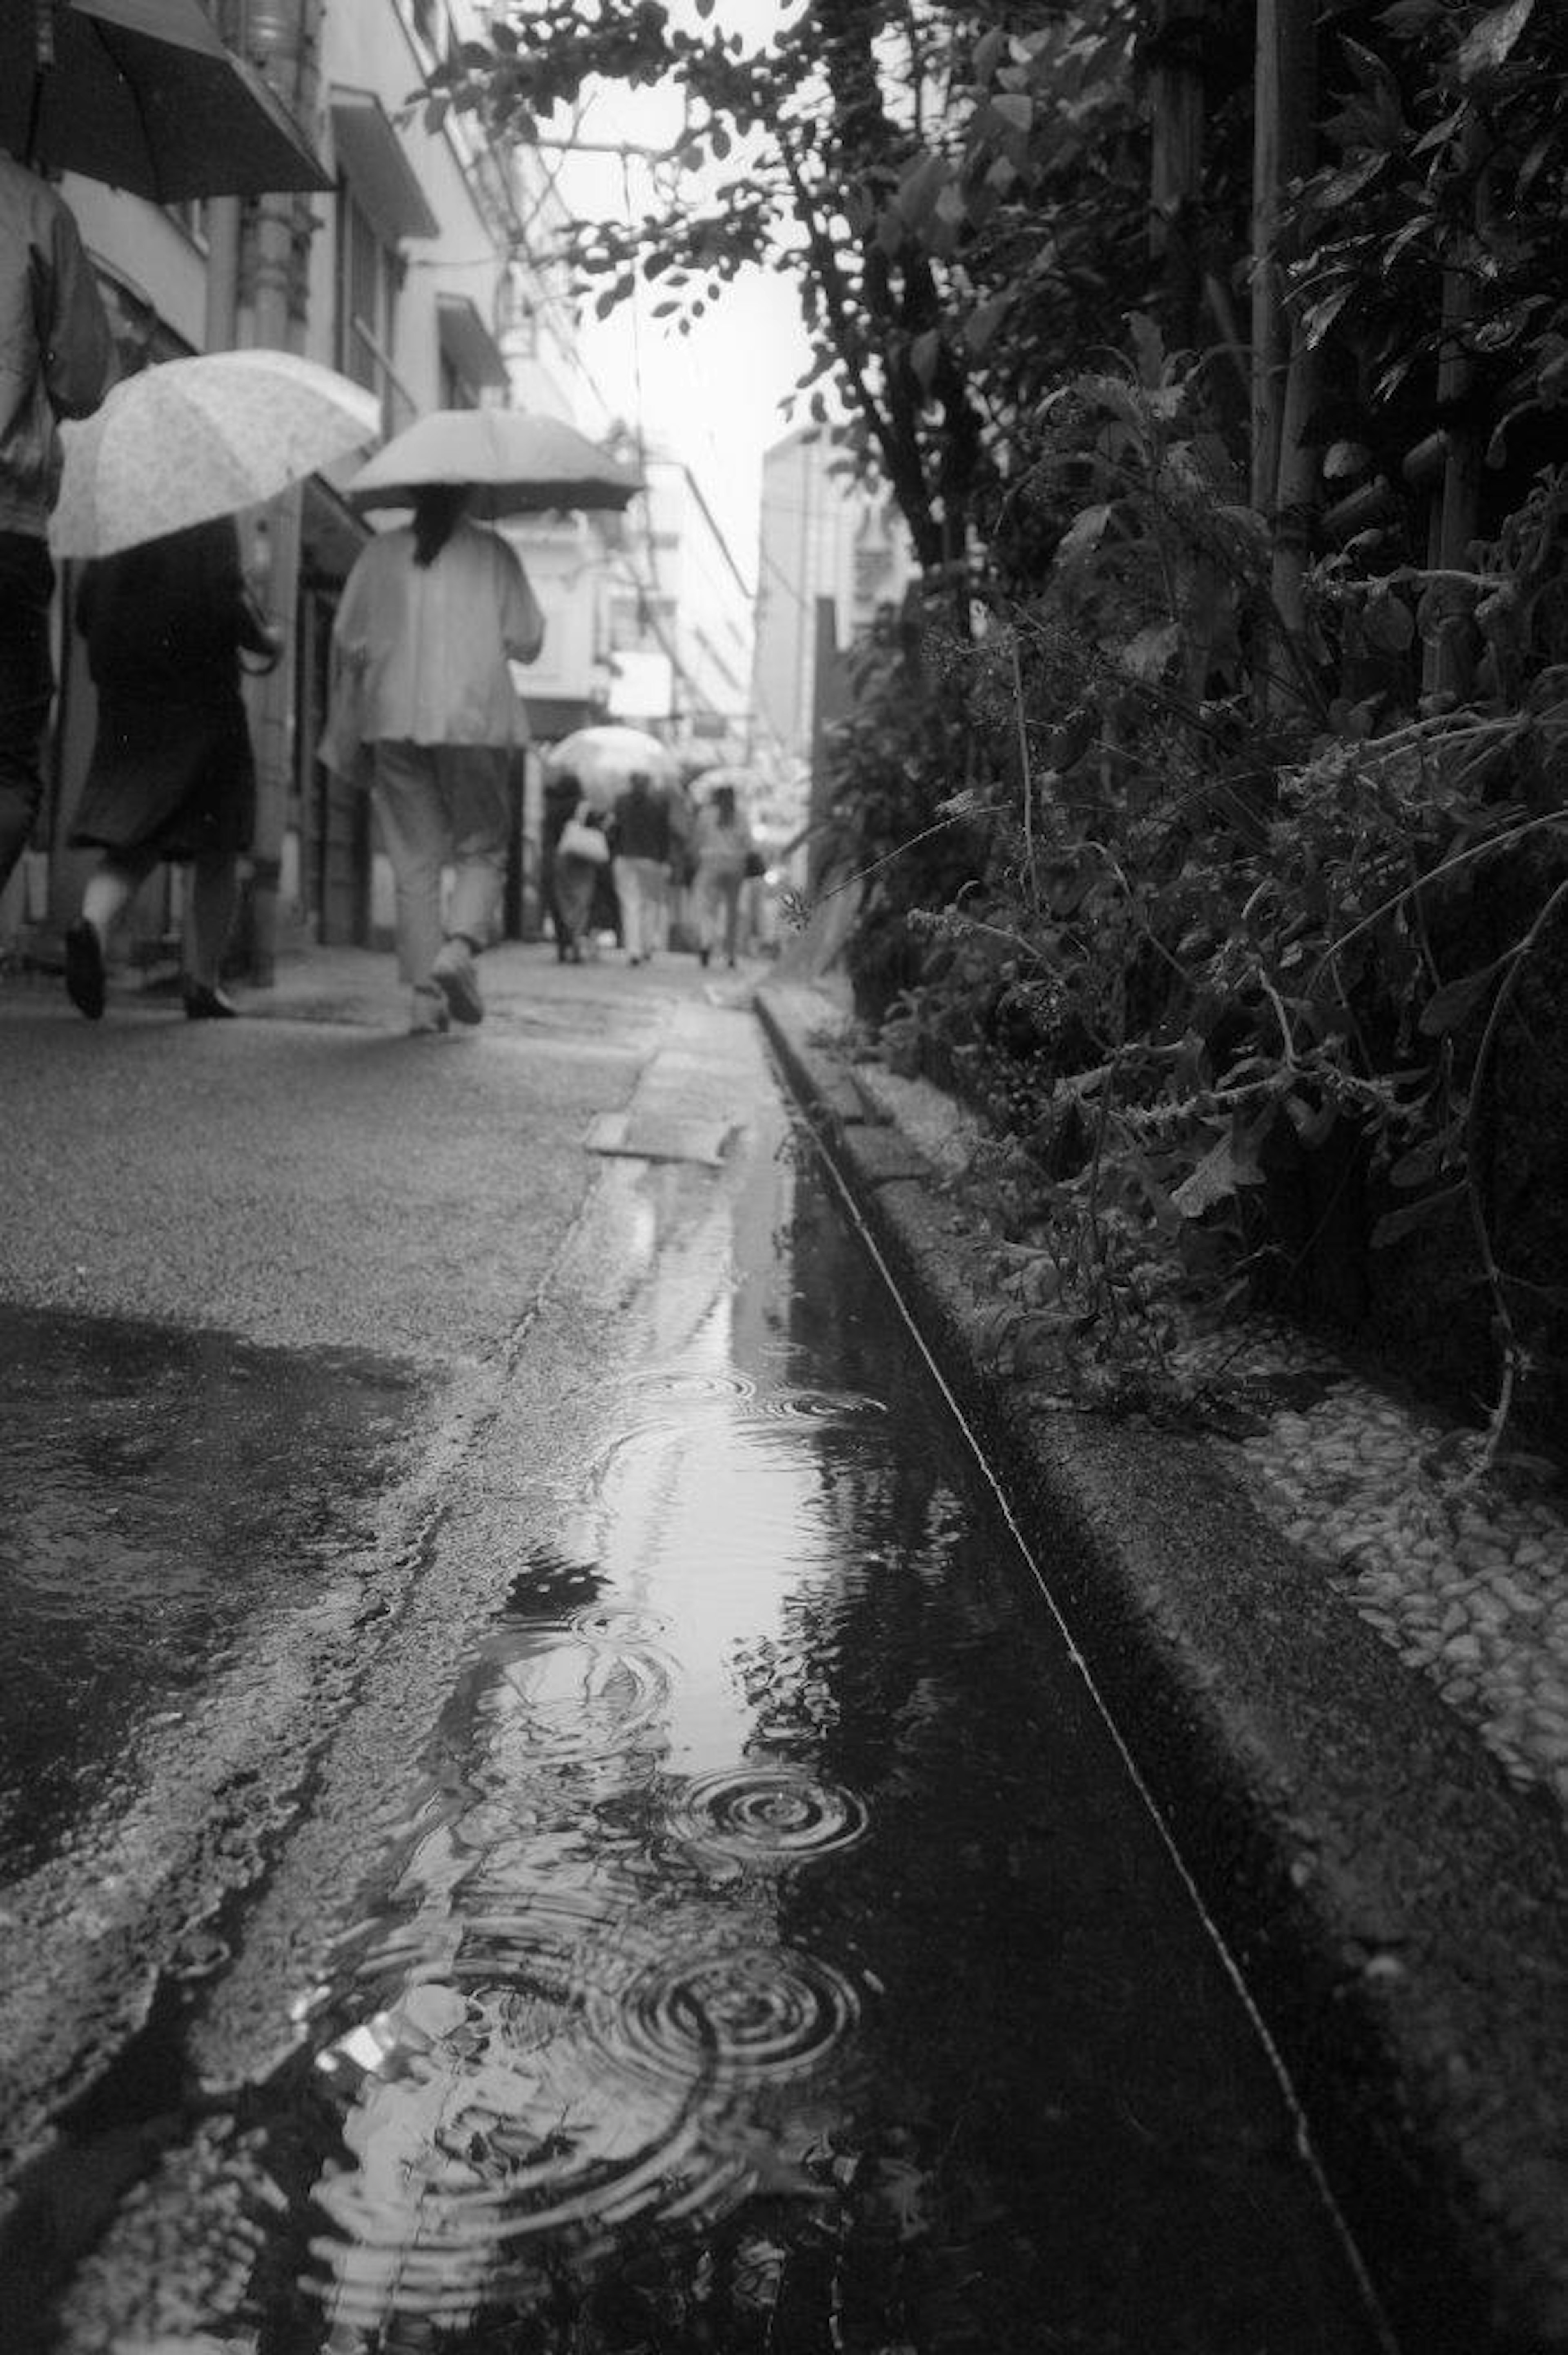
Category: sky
[711,397]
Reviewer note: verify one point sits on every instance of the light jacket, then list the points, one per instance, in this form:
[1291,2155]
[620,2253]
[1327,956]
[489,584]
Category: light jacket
[721,849]
[427,645]
[57,353]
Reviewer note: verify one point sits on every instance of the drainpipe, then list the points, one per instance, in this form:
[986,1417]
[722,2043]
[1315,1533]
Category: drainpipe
[281,39]
[222,327]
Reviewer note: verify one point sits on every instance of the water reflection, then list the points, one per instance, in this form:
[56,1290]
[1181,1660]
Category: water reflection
[574,2005]
[775,1958]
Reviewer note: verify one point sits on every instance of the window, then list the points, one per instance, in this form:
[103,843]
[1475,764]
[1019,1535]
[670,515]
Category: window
[366,297]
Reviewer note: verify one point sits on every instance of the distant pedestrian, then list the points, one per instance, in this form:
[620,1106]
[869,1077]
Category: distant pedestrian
[56,360]
[577,874]
[430,617]
[562,795]
[723,851]
[644,848]
[171,774]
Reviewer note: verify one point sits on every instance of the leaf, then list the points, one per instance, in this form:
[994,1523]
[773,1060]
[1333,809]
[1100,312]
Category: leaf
[1313,1123]
[1016,112]
[983,322]
[1344,458]
[1387,624]
[1320,316]
[988,50]
[1396,1224]
[1222,1169]
[1085,532]
[1147,654]
[1419,1165]
[1488,43]
[1340,186]
[1447,1007]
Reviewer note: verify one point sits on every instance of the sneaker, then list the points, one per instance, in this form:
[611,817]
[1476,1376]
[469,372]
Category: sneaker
[84,968]
[428,1016]
[455,977]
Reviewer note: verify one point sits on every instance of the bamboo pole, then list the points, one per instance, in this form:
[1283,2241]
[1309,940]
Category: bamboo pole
[1177,114]
[1447,658]
[1284,369]
[1284,142]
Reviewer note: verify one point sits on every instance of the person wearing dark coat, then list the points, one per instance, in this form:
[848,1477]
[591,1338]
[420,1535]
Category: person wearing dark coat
[644,851]
[171,774]
[562,795]
[56,360]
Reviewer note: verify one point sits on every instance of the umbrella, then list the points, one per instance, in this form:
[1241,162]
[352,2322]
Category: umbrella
[520,464]
[190,439]
[603,758]
[143,95]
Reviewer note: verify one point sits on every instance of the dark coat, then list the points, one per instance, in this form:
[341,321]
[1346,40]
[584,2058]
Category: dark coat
[172,773]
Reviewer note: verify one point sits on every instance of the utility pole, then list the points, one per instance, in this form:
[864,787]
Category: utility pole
[281,38]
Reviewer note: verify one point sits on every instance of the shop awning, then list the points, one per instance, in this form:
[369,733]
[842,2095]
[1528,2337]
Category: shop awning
[467,343]
[371,155]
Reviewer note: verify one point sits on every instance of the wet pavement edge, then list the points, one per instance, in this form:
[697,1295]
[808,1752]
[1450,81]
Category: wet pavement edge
[1398,1912]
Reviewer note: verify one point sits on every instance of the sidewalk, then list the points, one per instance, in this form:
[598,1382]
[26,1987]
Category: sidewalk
[1391,1880]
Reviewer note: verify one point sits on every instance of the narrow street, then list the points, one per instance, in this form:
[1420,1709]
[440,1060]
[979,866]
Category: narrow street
[542,1806]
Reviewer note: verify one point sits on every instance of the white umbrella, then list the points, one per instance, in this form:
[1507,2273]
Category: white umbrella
[518,464]
[603,758]
[192,439]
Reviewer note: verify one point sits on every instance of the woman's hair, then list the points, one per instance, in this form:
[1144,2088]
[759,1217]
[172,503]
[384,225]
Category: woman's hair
[437,507]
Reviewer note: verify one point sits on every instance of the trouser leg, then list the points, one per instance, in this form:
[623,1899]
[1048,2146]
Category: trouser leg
[629,891]
[414,830]
[729,899]
[214,895]
[705,909]
[473,786]
[27,685]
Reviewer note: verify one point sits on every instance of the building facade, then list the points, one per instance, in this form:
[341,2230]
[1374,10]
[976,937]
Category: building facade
[831,556]
[412,276]
[424,274]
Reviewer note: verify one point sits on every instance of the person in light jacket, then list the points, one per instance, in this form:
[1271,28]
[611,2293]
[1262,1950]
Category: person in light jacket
[721,846]
[56,360]
[430,617]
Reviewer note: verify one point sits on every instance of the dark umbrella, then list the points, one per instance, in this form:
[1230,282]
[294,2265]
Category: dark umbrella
[143,95]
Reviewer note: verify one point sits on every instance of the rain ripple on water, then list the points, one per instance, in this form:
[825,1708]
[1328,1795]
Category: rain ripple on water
[578,1993]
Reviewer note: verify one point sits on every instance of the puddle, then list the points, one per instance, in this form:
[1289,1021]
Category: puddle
[774,1954]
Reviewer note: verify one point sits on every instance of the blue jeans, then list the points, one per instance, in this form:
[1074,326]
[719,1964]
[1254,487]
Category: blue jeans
[26,688]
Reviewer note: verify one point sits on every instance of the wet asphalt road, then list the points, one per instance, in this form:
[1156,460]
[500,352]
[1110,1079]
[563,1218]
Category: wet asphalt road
[382,1529]
[258,1284]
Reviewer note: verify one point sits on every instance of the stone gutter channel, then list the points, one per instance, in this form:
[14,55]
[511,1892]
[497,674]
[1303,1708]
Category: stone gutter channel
[1309,1684]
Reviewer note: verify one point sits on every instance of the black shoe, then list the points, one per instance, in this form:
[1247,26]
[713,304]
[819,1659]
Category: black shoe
[84,968]
[205,1005]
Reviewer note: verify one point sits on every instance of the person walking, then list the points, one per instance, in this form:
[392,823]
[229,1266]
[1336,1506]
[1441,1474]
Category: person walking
[562,795]
[56,360]
[431,615]
[721,846]
[644,847]
[171,774]
[577,874]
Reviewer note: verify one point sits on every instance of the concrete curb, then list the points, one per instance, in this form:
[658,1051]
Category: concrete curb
[1397,1910]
